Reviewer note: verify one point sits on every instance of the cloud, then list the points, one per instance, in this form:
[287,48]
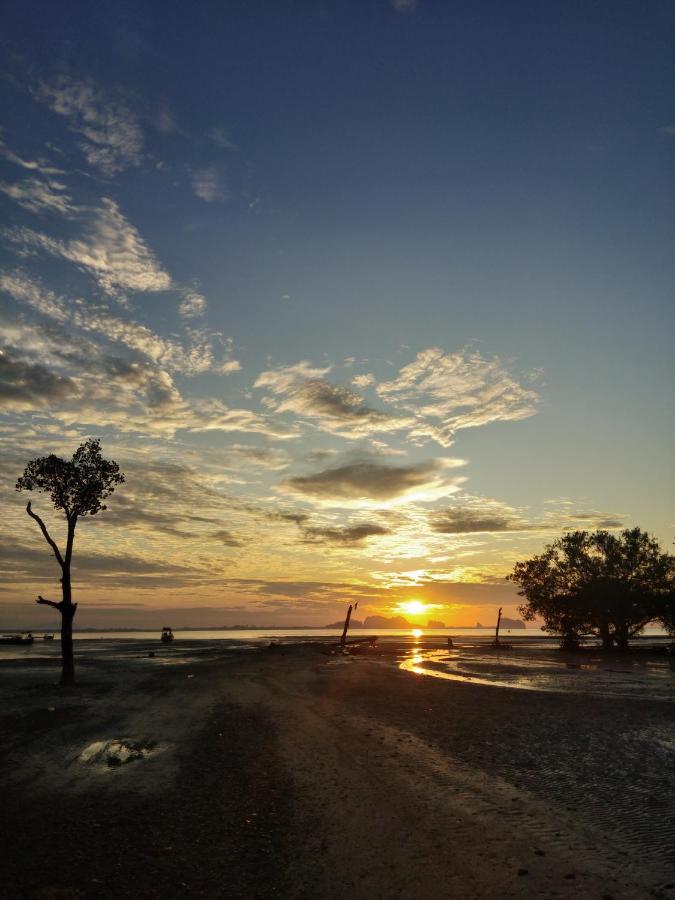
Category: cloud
[228,367]
[164,119]
[39,196]
[285,378]
[349,536]
[196,357]
[404,5]
[220,139]
[301,389]
[363,381]
[336,407]
[468,521]
[222,536]
[208,184]
[478,515]
[31,564]
[243,456]
[449,391]
[42,166]
[136,394]
[110,249]
[113,140]
[314,592]
[25,385]
[192,304]
[368,481]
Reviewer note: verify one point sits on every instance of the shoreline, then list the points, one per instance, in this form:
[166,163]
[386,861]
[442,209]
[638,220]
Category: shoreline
[289,773]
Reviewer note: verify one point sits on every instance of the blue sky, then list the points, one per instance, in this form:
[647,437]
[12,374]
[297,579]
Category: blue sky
[296,261]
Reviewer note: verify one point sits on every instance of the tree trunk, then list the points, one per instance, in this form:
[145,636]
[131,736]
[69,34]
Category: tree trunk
[68,609]
[606,637]
[622,638]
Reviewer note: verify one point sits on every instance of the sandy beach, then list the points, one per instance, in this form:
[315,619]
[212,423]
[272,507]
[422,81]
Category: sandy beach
[289,773]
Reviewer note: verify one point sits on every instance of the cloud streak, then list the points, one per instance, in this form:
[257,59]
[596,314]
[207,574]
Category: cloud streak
[109,248]
[370,482]
[113,140]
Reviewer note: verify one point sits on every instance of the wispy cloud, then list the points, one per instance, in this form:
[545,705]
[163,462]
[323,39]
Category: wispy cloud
[41,166]
[38,196]
[347,536]
[192,304]
[113,140]
[449,391]
[301,390]
[404,5]
[476,515]
[208,183]
[109,247]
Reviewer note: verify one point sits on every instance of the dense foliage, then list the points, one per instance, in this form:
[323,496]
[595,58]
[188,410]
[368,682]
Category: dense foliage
[601,584]
[78,486]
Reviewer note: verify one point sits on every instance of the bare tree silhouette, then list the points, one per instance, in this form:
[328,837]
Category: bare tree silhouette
[78,488]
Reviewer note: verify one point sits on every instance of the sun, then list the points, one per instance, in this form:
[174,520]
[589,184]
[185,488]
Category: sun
[413,607]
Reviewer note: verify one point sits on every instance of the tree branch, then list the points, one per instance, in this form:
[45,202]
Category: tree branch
[42,602]
[43,529]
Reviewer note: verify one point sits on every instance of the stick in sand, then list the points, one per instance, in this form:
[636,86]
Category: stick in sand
[343,639]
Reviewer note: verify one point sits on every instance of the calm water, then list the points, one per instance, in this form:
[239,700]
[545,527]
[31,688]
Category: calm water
[248,639]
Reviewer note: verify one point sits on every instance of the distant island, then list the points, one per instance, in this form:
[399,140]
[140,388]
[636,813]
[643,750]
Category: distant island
[374,622]
[401,622]
[505,623]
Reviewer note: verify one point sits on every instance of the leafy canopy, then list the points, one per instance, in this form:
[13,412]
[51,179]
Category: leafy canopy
[77,486]
[590,582]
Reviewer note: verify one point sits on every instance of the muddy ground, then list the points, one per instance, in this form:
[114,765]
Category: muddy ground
[288,773]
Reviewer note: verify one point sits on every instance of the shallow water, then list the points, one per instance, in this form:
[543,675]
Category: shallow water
[634,677]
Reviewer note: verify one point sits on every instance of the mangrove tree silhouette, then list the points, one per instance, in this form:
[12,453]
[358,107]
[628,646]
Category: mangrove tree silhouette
[598,584]
[77,487]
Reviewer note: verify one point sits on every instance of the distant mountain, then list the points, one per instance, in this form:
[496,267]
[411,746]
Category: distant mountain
[384,622]
[375,622]
[432,623]
[505,623]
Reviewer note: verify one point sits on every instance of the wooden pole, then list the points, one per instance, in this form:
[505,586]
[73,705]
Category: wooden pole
[499,619]
[343,639]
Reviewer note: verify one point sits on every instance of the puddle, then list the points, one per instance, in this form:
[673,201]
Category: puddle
[646,679]
[115,753]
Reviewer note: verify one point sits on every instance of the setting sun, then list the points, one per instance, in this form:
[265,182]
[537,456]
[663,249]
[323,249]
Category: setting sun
[414,607]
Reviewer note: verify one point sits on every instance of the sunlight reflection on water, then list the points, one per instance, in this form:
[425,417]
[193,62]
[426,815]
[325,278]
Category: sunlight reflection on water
[652,678]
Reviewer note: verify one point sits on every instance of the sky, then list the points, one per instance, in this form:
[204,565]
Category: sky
[369,300]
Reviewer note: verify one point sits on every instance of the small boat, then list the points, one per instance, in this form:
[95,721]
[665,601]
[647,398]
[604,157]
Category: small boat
[167,635]
[26,638]
[47,637]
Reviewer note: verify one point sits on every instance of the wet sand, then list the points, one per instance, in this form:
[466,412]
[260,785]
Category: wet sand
[289,773]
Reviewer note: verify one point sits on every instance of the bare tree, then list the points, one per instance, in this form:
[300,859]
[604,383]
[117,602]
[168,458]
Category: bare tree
[78,488]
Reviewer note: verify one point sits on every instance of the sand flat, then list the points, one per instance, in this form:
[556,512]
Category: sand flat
[293,774]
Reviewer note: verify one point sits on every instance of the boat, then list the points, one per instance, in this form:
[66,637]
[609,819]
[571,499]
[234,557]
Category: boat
[47,637]
[25,638]
[167,635]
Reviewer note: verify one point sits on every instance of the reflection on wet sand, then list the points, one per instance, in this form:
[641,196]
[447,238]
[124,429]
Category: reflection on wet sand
[652,677]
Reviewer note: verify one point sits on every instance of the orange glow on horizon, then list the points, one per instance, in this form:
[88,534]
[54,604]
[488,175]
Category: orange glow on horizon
[414,607]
